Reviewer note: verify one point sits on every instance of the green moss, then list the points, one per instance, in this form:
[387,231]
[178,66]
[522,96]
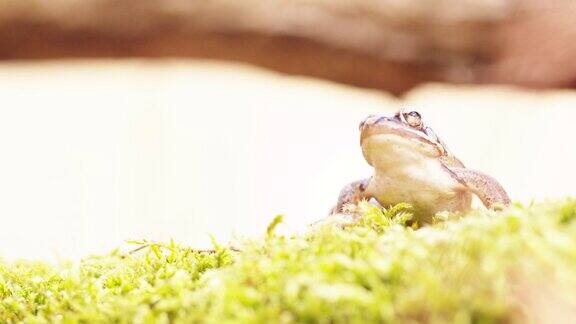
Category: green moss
[461,269]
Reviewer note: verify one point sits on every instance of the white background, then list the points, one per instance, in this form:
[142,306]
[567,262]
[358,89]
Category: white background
[94,153]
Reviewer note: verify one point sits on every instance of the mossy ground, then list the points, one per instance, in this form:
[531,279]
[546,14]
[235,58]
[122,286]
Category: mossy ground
[485,267]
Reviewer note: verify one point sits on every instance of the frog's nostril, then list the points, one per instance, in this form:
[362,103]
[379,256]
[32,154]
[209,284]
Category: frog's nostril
[383,118]
[372,120]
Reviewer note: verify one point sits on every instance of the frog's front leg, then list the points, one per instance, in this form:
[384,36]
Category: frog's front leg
[488,189]
[351,194]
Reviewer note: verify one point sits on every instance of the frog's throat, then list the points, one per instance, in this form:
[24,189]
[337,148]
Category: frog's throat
[391,150]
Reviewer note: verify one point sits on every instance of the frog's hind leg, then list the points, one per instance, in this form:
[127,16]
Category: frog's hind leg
[351,194]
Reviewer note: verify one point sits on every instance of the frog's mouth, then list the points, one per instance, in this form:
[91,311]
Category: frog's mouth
[387,140]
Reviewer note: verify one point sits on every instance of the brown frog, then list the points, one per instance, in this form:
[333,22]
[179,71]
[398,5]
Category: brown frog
[412,165]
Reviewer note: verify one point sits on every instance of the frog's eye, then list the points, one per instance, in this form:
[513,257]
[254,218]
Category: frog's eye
[413,119]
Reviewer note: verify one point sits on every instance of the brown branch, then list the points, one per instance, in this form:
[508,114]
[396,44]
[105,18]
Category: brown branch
[385,44]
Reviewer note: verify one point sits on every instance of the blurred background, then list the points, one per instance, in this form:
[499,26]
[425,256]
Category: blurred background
[180,119]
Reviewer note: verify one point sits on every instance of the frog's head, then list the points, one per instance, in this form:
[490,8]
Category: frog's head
[400,140]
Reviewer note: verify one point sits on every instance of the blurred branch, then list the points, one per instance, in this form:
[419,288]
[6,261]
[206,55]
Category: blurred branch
[385,44]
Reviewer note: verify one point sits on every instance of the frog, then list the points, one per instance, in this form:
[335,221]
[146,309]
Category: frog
[412,165]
